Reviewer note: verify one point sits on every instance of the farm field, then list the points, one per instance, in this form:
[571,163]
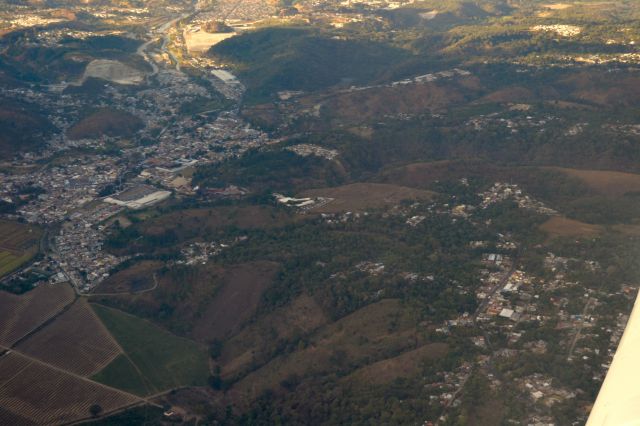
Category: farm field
[18,244]
[33,393]
[122,374]
[164,360]
[76,341]
[20,315]
[363,196]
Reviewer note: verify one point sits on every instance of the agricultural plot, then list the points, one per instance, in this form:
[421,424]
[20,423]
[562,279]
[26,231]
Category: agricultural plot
[33,393]
[122,374]
[18,244]
[19,315]
[76,341]
[164,360]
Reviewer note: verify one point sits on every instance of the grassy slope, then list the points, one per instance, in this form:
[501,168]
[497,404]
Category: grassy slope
[166,361]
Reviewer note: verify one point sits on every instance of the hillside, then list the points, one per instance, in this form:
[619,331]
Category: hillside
[22,127]
[106,122]
[277,59]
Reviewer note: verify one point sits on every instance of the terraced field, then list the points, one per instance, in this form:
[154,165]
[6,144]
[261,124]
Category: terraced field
[76,341]
[34,393]
[19,315]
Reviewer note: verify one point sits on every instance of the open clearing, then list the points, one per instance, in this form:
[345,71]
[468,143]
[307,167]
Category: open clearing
[165,361]
[76,341]
[606,182]
[34,393]
[19,315]
[406,365]
[363,196]
[236,301]
[18,244]
[559,226]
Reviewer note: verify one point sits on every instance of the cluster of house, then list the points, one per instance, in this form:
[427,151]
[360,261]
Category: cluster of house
[62,188]
[305,149]
[501,191]
[200,252]
[79,250]
[513,123]
[542,389]
[304,204]
[337,218]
